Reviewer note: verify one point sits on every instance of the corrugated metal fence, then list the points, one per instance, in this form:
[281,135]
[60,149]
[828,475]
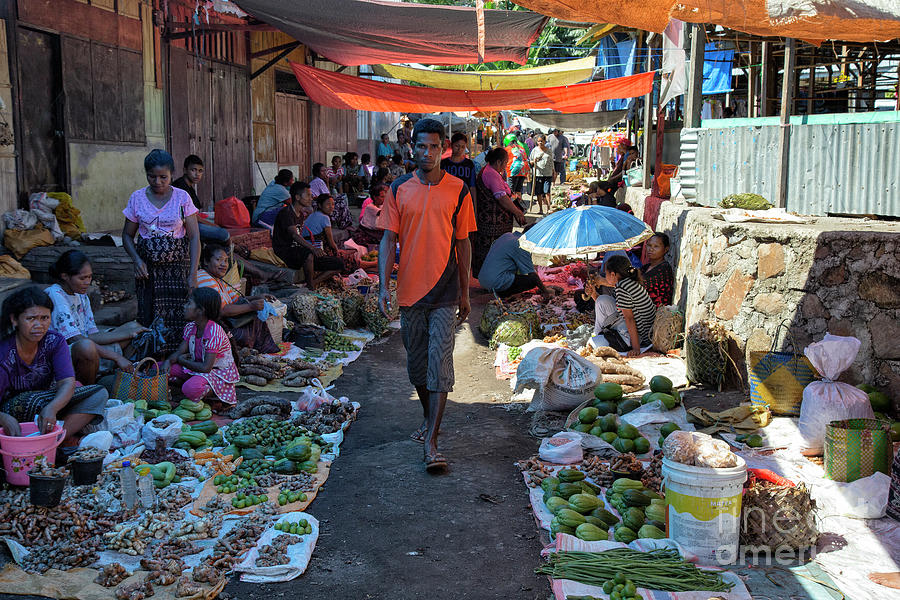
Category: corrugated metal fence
[849,168]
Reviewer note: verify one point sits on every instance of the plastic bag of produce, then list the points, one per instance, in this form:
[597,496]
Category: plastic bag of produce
[562,378]
[564,448]
[163,430]
[303,308]
[330,313]
[313,396]
[828,400]
[351,305]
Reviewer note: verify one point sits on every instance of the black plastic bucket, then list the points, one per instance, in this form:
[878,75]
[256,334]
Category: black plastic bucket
[46,491]
[86,472]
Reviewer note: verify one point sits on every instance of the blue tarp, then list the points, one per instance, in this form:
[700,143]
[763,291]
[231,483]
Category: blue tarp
[717,69]
[617,60]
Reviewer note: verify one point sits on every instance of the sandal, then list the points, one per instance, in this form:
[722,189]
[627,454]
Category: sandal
[435,462]
[418,436]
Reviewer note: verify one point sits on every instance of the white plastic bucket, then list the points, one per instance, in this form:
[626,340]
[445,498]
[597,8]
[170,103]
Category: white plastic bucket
[703,509]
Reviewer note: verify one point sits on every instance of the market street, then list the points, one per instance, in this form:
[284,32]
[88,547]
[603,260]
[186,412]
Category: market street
[393,531]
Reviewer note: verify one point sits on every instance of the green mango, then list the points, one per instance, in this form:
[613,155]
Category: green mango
[629,432]
[659,383]
[605,407]
[587,415]
[609,437]
[609,422]
[626,406]
[668,428]
[641,445]
[608,391]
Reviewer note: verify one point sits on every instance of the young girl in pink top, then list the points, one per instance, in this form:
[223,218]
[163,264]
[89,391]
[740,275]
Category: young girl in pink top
[204,361]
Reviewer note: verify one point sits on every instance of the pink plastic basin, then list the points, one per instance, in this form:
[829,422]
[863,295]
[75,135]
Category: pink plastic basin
[19,453]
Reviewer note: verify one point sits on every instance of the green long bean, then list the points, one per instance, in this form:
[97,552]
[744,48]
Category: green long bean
[662,569]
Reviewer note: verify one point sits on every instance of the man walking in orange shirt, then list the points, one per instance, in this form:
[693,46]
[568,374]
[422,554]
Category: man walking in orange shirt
[430,213]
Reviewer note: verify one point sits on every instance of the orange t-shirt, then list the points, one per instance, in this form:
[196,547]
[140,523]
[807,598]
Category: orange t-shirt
[422,216]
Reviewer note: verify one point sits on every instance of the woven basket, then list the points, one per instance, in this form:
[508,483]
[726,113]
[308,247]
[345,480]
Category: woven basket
[775,517]
[668,329]
[706,362]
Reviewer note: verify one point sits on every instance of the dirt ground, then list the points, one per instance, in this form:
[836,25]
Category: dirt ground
[391,531]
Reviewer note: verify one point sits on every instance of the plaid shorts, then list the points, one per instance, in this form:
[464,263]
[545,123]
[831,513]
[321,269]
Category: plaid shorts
[429,338]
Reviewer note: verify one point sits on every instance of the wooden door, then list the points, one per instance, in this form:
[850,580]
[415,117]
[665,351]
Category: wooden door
[42,110]
[292,133]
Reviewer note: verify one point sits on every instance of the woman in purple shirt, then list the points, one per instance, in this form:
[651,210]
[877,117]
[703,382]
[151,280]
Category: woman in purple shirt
[36,374]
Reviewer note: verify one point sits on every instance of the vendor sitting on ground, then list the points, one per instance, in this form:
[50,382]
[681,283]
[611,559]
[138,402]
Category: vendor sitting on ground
[272,198]
[317,230]
[623,323]
[659,280]
[296,251]
[247,330]
[368,233]
[93,351]
[508,269]
[36,374]
[204,361]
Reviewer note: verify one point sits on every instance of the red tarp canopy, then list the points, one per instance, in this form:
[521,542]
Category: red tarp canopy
[345,91]
[365,32]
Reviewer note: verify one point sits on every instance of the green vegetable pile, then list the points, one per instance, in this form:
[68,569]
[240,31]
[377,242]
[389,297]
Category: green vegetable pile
[336,341]
[745,201]
[301,527]
[663,569]
[293,448]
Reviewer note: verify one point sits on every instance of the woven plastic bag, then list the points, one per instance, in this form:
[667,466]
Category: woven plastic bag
[829,400]
[351,305]
[303,308]
[668,328]
[330,313]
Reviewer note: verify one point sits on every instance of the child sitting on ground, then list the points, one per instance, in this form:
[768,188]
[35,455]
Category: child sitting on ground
[204,361]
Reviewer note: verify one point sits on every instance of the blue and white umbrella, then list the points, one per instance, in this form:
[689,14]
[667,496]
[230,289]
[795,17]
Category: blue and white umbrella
[583,230]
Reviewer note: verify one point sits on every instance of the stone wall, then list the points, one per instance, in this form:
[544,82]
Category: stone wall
[840,276]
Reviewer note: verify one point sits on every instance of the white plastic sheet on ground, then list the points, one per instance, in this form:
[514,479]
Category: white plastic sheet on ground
[668,366]
[298,554]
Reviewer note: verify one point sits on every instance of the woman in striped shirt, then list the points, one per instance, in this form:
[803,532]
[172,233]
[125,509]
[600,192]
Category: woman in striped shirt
[627,321]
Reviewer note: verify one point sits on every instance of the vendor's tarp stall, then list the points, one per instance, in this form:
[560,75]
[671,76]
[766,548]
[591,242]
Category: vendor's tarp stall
[591,121]
[344,91]
[362,32]
[849,20]
[563,73]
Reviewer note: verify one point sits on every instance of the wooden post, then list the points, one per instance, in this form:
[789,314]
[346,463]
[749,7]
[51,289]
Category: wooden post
[694,98]
[752,83]
[767,81]
[811,91]
[648,122]
[784,133]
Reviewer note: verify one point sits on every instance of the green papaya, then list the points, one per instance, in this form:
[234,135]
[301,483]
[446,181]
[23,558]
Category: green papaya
[232,451]
[623,445]
[308,466]
[184,415]
[582,428]
[623,484]
[609,422]
[244,441]
[569,517]
[557,527]
[190,405]
[629,432]
[626,406]
[252,453]
[609,437]
[624,535]
[569,475]
[641,445]
[668,428]
[635,498]
[584,503]
[605,407]
[608,391]
[590,533]
[298,453]
[647,398]
[207,427]
[649,531]
[659,383]
[606,516]
[158,405]
[587,414]
[569,489]
[285,467]
[596,431]
[549,484]
[554,504]
[182,446]
[596,522]
[667,400]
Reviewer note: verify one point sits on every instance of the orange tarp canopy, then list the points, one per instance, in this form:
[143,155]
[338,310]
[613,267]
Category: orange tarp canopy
[345,91]
[812,20]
